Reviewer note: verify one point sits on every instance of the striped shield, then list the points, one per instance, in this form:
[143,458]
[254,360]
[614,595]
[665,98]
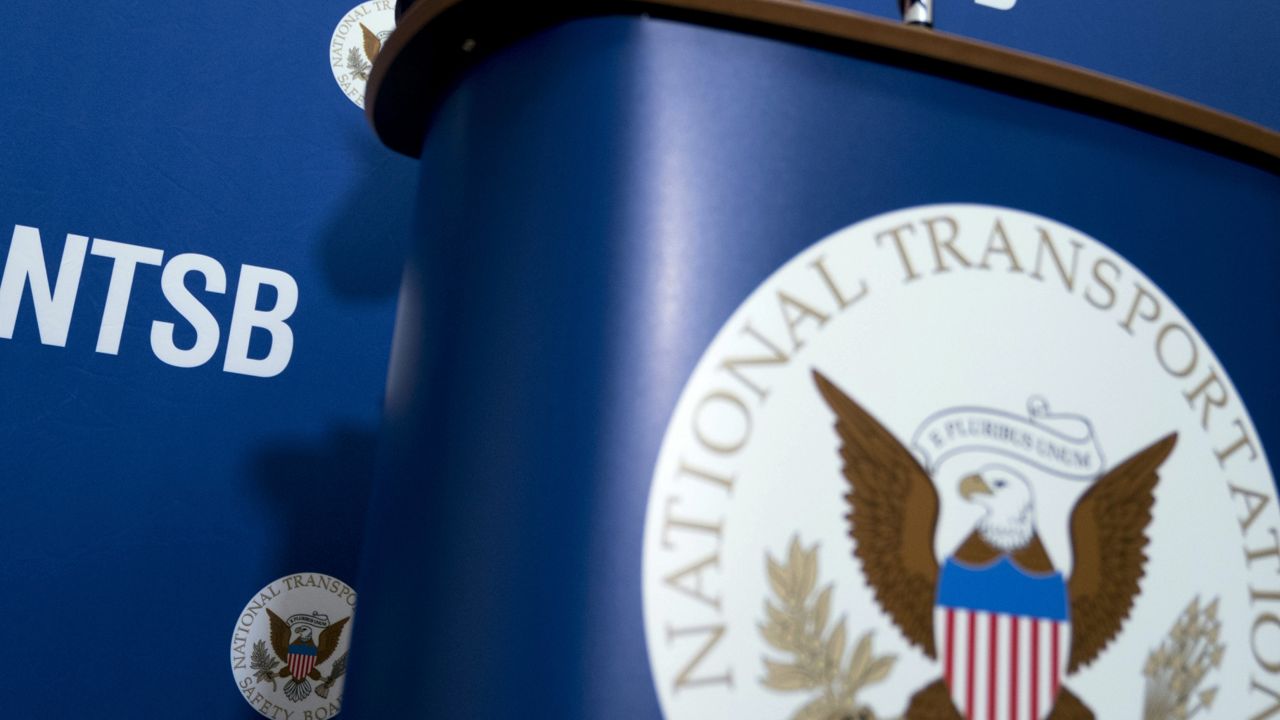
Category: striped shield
[302,658]
[1003,637]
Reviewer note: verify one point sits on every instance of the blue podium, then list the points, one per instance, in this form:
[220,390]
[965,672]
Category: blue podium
[610,486]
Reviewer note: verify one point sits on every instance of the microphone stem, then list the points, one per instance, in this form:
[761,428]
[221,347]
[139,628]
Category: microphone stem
[917,12]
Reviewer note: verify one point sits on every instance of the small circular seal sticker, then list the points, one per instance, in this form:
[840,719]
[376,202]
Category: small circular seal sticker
[289,646]
[962,461]
[356,43]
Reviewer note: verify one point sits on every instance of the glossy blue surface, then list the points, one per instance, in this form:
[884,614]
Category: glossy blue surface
[595,201]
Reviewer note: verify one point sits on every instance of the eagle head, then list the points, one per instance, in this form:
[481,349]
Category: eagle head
[1005,494]
[303,634]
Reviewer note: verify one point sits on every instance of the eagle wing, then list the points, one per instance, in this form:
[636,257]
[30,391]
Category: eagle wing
[893,516]
[372,44]
[1109,538]
[328,640]
[279,635]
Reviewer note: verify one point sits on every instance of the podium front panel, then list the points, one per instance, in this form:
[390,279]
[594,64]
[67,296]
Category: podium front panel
[596,201]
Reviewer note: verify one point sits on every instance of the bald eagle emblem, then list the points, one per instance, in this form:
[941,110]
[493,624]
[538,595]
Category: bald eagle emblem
[303,643]
[1004,625]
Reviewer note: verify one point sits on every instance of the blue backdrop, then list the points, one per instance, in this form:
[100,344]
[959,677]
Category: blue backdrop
[1221,54]
[144,504]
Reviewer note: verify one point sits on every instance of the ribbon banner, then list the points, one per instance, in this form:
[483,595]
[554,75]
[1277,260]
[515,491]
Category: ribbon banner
[1063,445]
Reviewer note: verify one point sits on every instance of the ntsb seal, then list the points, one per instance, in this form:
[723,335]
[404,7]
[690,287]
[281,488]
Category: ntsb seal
[356,43]
[959,462]
[289,647]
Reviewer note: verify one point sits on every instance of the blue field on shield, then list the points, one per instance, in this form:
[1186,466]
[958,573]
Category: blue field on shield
[1002,588]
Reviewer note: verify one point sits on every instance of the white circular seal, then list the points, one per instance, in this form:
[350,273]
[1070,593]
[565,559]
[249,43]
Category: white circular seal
[356,43]
[962,461]
[289,646]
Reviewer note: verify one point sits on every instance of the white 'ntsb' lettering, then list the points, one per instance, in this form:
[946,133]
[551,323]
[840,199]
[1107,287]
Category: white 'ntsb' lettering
[54,301]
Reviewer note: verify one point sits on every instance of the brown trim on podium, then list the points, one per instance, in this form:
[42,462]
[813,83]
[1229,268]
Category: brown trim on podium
[437,40]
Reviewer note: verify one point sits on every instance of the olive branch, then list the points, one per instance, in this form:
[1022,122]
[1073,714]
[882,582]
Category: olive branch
[796,624]
[356,64]
[264,663]
[1176,669]
[337,670]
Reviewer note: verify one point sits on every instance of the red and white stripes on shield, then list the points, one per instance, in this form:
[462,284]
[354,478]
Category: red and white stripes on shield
[300,665]
[999,666]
